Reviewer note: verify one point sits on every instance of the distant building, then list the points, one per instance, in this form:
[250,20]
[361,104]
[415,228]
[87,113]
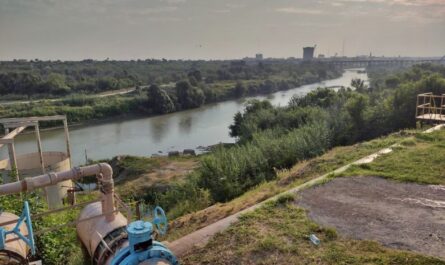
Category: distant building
[321,56]
[308,53]
[259,56]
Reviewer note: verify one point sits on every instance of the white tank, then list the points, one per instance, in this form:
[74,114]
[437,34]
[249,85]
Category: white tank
[28,165]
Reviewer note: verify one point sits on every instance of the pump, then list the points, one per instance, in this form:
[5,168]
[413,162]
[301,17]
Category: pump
[142,247]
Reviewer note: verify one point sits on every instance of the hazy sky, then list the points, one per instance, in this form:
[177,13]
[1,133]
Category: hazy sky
[223,29]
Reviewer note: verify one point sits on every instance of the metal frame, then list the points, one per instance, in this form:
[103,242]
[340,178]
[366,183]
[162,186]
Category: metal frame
[430,107]
[28,239]
[20,124]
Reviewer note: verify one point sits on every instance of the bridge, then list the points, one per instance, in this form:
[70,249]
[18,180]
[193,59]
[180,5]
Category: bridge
[379,61]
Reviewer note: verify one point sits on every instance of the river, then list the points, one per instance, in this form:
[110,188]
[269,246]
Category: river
[203,126]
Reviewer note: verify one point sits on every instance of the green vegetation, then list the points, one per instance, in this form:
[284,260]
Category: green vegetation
[178,85]
[159,100]
[278,232]
[274,138]
[38,79]
[77,108]
[419,159]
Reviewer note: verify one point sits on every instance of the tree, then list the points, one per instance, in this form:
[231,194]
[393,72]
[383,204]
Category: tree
[56,84]
[356,106]
[392,82]
[188,95]
[358,84]
[240,90]
[28,83]
[196,74]
[235,128]
[159,101]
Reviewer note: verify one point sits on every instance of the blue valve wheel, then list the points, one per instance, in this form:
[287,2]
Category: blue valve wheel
[160,220]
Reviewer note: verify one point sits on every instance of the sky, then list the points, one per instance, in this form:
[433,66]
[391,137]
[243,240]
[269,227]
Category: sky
[218,29]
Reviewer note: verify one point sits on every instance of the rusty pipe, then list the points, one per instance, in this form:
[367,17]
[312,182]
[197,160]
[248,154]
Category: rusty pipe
[103,171]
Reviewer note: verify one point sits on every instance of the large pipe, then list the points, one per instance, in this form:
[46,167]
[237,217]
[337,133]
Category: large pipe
[98,235]
[106,208]
[15,251]
[102,170]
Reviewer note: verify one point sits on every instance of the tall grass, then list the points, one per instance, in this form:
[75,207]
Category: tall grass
[228,173]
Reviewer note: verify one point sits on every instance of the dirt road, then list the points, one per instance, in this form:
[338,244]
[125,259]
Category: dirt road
[122,91]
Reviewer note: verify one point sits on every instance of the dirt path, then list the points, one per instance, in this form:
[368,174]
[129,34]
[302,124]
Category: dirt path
[399,215]
[158,178]
[121,91]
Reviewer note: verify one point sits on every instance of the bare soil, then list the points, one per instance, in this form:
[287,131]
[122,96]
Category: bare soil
[399,215]
[158,178]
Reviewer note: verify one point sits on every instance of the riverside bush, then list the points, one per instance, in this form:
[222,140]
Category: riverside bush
[229,173]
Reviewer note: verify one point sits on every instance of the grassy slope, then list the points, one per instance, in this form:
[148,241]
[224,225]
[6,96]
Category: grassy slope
[287,179]
[426,150]
[277,233]
[420,159]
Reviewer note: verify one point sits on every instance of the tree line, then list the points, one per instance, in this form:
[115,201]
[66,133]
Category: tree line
[55,78]
[196,89]
[193,88]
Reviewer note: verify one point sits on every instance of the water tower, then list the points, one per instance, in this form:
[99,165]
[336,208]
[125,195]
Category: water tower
[308,53]
[18,167]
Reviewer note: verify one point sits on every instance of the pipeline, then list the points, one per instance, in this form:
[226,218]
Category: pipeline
[102,170]
[102,229]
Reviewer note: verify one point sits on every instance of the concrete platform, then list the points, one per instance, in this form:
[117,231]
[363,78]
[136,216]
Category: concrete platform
[431,117]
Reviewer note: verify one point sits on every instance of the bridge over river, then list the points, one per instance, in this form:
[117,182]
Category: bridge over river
[379,61]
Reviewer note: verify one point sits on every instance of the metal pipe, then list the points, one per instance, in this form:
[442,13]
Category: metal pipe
[102,170]
[98,234]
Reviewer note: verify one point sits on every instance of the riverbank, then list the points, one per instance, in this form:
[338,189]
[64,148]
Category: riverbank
[86,109]
[76,123]
[143,135]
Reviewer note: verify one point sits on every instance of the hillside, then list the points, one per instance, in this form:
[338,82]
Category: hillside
[277,233]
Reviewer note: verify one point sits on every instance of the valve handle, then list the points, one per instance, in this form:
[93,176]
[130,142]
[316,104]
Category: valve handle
[160,220]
